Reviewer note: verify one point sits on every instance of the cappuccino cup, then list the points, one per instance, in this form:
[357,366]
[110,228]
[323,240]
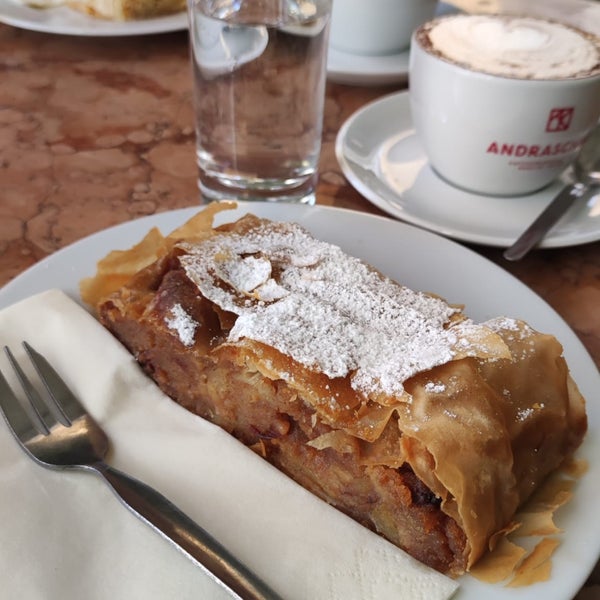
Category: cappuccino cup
[503,103]
[377,27]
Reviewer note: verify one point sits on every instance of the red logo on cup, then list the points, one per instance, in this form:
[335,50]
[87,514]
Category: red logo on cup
[560,119]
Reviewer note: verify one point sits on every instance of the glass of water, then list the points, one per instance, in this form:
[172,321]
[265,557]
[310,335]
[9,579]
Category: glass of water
[259,71]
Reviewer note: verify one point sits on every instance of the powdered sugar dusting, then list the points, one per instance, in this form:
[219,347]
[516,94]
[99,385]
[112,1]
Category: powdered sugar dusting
[325,309]
[245,274]
[435,388]
[509,324]
[183,324]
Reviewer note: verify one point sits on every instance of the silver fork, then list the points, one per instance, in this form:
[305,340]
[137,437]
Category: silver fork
[58,432]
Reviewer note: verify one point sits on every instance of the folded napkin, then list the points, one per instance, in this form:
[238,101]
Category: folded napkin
[65,535]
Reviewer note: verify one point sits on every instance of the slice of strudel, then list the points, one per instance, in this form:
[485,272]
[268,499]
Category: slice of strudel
[389,404]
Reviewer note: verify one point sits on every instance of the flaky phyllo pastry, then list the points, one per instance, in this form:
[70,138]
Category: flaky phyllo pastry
[389,404]
[116,10]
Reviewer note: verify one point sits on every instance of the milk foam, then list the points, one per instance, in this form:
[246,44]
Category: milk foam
[512,46]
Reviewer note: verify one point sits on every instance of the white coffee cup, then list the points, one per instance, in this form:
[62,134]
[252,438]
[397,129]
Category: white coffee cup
[508,132]
[377,27]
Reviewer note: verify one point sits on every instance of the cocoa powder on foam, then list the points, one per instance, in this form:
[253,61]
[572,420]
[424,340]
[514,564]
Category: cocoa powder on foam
[580,53]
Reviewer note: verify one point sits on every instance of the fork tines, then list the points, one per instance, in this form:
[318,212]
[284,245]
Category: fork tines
[58,405]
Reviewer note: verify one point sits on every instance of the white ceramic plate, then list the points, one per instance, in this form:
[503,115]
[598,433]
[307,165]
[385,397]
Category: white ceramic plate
[382,157]
[423,261]
[66,21]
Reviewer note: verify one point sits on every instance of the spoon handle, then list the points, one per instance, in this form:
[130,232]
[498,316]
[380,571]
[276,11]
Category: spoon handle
[545,221]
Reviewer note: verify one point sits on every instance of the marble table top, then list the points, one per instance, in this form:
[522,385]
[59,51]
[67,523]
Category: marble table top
[97,131]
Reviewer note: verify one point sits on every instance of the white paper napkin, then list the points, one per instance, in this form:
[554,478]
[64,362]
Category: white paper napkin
[64,535]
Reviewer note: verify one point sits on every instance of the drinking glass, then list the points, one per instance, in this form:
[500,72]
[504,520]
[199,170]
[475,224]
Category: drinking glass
[259,71]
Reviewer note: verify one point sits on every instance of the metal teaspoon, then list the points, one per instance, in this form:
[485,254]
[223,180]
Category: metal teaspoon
[587,177]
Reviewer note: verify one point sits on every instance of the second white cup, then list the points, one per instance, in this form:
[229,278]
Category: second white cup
[377,27]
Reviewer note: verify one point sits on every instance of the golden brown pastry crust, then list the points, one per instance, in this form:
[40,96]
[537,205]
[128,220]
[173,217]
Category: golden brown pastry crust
[437,461]
[127,10]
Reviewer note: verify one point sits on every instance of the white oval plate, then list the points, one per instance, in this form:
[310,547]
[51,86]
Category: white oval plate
[66,21]
[423,261]
[382,157]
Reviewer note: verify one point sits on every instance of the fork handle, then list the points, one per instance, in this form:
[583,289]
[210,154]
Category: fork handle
[153,508]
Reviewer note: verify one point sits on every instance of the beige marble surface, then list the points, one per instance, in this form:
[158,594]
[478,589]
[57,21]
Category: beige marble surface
[97,131]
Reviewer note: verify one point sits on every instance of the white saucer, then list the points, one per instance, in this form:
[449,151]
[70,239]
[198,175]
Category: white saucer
[358,69]
[382,157]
